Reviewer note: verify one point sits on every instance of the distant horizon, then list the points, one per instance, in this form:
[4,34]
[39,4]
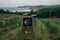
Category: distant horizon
[36,5]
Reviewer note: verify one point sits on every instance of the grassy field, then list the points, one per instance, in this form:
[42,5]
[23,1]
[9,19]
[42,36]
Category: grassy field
[47,28]
[44,28]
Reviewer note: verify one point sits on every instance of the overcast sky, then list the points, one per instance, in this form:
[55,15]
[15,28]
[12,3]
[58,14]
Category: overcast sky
[14,3]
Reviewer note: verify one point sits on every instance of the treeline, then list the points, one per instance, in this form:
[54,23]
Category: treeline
[48,12]
[42,13]
[2,11]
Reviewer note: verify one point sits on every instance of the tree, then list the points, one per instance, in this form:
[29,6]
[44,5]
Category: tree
[2,11]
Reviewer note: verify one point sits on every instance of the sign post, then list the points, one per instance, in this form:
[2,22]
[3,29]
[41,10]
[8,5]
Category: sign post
[27,32]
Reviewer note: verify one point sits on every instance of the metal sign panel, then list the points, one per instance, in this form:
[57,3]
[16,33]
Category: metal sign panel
[27,21]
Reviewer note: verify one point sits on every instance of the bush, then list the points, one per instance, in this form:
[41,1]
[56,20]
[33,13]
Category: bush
[2,11]
[1,24]
[52,30]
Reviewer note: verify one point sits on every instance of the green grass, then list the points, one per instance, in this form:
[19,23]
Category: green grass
[10,24]
[50,28]
[44,28]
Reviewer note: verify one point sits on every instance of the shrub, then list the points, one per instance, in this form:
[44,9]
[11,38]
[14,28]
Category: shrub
[1,24]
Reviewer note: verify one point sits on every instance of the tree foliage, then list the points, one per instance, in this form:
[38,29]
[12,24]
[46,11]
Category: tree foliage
[1,24]
[48,12]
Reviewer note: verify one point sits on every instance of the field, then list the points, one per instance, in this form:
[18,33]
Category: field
[44,28]
[48,29]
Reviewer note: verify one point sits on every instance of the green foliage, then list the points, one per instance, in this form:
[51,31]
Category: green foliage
[2,11]
[48,12]
[2,32]
[9,22]
[13,23]
[52,30]
[1,24]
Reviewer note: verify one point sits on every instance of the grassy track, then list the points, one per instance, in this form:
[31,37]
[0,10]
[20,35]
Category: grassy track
[48,29]
[41,31]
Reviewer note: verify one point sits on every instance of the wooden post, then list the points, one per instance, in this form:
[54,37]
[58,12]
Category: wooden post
[27,32]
